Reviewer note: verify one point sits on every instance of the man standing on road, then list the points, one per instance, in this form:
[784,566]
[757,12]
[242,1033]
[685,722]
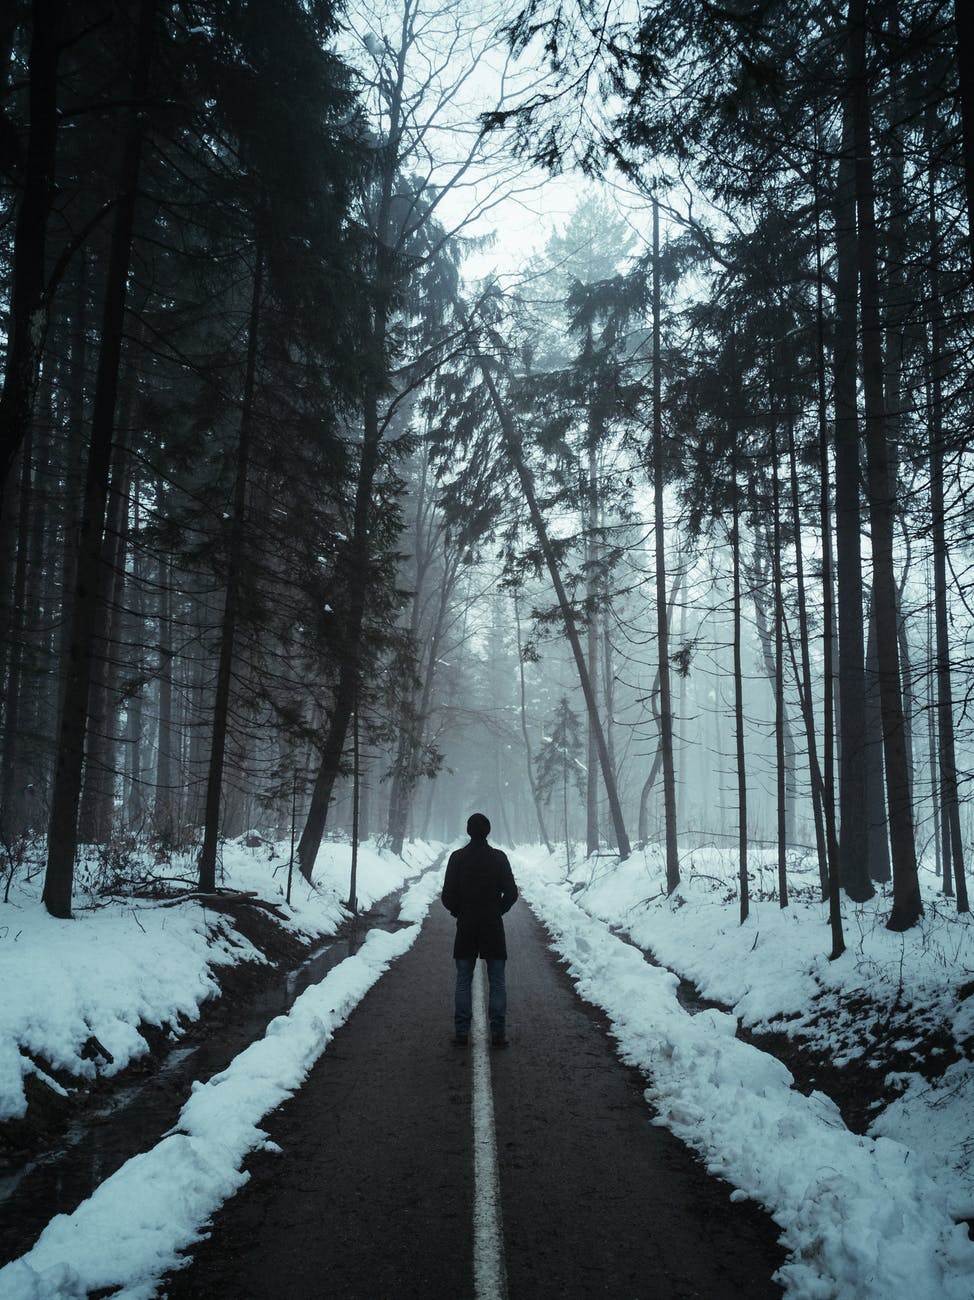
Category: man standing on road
[479,888]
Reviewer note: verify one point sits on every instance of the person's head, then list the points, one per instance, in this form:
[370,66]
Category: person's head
[478,827]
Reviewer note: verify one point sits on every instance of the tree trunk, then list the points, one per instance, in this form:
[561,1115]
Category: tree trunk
[662,612]
[97,805]
[514,451]
[528,756]
[828,656]
[804,681]
[235,563]
[63,825]
[875,808]
[853,844]
[357,555]
[592,658]
[356,776]
[347,686]
[643,823]
[907,904]
[13,808]
[780,718]
[165,801]
[952,839]
[735,541]
[513,444]
[410,723]
[592,651]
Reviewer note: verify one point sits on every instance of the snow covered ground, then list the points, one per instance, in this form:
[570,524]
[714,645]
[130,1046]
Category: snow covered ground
[864,1217]
[870,1217]
[132,1229]
[120,964]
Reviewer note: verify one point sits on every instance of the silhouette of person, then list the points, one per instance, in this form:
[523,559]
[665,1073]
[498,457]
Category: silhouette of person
[479,888]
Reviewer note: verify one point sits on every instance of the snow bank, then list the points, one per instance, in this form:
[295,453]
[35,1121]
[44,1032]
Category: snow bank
[132,1229]
[124,963]
[860,1216]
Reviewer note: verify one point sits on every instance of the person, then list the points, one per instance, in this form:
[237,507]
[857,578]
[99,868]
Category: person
[478,889]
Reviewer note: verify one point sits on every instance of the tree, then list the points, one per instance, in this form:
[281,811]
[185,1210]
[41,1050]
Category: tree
[63,826]
[559,764]
[907,906]
[415,84]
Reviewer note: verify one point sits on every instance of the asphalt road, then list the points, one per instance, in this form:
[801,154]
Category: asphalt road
[374,1195]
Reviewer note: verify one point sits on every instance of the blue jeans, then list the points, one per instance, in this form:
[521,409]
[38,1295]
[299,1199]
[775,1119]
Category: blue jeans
[497,998]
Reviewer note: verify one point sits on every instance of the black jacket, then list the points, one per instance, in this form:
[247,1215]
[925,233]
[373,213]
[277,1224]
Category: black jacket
[479,888]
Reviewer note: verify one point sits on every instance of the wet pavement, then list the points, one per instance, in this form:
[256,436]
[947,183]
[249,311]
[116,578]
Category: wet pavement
[373,1192]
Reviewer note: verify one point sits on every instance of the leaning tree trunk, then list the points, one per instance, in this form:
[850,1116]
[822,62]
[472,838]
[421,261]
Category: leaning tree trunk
[63,825]
[349,671]
[357,552]
[513,445]
[907,904]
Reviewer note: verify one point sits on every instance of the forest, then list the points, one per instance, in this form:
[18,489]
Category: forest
[417,407]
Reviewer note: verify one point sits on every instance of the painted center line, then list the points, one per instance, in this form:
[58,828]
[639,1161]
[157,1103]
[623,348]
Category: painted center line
[489,1270]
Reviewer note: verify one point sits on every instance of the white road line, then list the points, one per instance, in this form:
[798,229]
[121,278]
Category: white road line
[489,1271]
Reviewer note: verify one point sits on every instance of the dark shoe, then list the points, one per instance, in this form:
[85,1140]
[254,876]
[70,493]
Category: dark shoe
[498,1039]
[460,1040]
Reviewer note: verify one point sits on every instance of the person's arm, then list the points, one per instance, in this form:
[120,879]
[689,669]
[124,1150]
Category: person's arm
[449,895]
[508,887]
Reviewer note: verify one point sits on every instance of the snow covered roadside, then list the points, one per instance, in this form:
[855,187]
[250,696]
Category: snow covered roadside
[131,1230]
[860,1216]
[130,962]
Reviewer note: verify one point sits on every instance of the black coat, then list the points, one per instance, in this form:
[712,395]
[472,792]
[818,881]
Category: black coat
[479,888]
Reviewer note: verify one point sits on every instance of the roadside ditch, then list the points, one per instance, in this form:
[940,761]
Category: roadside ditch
[57,1155]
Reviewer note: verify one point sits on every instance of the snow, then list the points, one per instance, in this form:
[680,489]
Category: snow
[132,1229]
[866,1216]
[117,966]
